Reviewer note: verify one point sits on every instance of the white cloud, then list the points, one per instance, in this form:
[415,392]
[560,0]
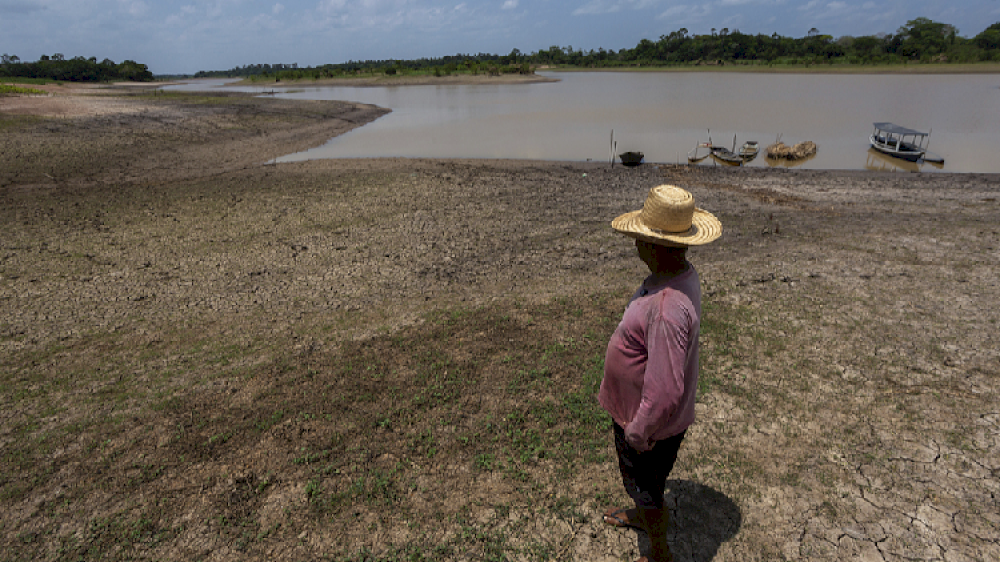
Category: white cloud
[675,11]
[263,21]
[688,14]
[134,8]
[596,7]
[332,5]
[509,5]
[278,8]
[379,16]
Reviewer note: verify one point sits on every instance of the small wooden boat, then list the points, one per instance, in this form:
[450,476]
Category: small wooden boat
[695,154]
[732,157]
[899,142]
[749,150]
[631,158]
[723,155]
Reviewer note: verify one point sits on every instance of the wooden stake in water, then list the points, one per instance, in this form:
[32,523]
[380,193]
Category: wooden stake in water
[612,148]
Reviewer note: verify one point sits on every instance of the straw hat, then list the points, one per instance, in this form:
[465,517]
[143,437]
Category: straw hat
[669,218]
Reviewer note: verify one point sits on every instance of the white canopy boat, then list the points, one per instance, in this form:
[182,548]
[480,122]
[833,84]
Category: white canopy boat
[900,142]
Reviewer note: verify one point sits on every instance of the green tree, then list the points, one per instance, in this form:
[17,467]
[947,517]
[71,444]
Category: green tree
[923,37]
[133,71]
[989,39]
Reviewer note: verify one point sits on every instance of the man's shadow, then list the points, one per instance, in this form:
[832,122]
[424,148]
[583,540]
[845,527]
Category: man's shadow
[701,519]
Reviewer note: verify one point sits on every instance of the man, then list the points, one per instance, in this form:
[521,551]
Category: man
[651,366]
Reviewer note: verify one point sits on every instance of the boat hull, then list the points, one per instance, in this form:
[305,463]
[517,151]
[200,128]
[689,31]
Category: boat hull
[749,151]
[695,154]
[905,151]
[631,158]
[726,156]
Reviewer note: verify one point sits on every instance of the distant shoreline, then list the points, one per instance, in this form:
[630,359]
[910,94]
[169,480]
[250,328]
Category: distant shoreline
[414,80]
[478,79]
[915,68]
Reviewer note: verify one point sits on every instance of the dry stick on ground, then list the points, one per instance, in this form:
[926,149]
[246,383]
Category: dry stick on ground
[572,537]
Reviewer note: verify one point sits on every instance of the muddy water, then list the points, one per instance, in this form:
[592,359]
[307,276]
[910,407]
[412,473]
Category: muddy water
[665,114]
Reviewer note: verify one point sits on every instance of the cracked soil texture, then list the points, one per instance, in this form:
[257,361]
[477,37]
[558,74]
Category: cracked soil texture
[851,408]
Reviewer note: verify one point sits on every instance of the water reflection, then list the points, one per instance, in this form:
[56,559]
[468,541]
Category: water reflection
[788,163]
[879,162]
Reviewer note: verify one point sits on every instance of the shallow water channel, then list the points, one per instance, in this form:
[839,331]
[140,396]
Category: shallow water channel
[665,114]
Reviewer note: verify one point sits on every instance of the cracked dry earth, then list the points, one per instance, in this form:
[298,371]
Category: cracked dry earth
[884,290]
[850,354]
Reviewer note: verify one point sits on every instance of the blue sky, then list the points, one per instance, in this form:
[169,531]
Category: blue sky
[185,36]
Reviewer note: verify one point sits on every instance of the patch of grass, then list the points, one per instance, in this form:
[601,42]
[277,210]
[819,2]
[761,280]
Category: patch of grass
[376,488]
[401,553]
[7,89]
[485,462]
[311,457]
[722,329]
[27,80]
[117,537]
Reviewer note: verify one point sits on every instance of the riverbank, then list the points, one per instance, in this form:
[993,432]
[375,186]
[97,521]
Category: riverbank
[481,79]
[104,135]
[909,68]
[407,80]
[203,355]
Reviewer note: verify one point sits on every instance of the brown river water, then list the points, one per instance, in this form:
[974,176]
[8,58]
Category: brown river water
[665,114]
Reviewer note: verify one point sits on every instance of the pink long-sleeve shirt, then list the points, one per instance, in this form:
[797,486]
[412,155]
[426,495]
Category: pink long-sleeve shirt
[651,366]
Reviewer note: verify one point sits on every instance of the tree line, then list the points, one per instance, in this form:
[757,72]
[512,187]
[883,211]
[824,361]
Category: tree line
[76,69]
[920,40]
[465,63]
[247,70]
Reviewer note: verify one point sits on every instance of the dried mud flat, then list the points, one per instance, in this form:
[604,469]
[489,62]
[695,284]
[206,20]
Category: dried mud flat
[207,357]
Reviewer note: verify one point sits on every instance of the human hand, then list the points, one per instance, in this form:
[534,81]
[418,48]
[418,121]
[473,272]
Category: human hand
[636,441]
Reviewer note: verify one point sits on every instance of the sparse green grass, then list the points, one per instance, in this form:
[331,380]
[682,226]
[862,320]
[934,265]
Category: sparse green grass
[409,388]
[25,80]
[8,89]
[513,400]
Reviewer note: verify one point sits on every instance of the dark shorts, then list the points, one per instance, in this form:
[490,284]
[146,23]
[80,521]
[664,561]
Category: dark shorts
[645,474]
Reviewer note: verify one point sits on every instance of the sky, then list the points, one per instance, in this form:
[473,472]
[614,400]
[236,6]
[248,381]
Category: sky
[183,37]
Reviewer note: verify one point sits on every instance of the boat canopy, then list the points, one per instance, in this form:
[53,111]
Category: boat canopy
[897,130]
